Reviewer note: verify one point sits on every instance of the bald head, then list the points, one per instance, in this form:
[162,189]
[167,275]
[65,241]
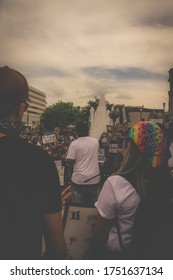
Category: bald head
[13,90]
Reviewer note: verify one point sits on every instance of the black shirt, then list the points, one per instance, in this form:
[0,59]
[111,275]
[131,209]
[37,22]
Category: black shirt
[29,187]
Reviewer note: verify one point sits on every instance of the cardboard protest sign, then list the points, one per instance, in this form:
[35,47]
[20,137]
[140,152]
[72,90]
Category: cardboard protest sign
[46,139]
[79,225]
[113,148]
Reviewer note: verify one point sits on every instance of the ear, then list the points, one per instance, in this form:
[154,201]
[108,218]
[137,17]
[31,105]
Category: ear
[22,107]
[19,111]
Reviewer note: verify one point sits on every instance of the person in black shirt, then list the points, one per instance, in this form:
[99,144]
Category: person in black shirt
[30,197]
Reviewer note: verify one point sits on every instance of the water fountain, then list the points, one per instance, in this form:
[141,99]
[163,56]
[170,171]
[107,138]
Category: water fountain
[99,119]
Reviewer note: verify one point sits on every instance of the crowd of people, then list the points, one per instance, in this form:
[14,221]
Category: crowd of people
[110,148]
[115,174]
[56,149]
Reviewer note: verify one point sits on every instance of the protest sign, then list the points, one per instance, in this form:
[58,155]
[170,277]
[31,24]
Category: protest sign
[113,148]
[46,139]
[79,226]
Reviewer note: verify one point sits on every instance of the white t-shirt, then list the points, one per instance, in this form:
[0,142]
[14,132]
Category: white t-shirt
[84,151]
[118,197]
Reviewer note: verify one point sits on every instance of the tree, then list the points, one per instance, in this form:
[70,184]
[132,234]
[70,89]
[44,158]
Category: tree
[94,104]
[63,114]
[120,108]
[60,115]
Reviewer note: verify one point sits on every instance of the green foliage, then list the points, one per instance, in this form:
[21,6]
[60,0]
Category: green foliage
[120,107]
[93,104]
[61,115]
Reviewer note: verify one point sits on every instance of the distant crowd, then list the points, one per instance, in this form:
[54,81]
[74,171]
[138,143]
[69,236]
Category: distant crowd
[56,149]
[110,154]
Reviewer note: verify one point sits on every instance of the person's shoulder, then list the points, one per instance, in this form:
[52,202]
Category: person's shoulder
[116,177]
[31,149]
[93,139]
[24,144]
[119,181]
[74,142]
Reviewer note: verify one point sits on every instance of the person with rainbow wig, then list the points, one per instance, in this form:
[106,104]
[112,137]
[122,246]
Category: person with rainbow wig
[143,176]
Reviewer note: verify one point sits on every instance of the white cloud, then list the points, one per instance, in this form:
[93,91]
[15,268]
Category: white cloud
[71,35]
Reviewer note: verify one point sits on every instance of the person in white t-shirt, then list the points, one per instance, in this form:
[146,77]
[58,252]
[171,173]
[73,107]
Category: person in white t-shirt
[82,155]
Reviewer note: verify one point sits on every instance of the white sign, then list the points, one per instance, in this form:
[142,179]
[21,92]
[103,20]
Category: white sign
[113,148]
[79,226]
[49,138]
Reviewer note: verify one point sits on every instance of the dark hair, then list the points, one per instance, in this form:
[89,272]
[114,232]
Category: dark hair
[82,129]
[13,90]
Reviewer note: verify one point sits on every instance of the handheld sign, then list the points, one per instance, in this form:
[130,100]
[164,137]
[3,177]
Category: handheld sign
[113,148]
[79,226]
[48,138]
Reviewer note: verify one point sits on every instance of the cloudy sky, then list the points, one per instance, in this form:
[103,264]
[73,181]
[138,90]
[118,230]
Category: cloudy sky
[75,50]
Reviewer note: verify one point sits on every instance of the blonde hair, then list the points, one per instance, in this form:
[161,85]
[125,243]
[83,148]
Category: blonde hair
[135,163]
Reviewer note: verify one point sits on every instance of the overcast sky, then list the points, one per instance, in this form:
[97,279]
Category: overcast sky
[77,49]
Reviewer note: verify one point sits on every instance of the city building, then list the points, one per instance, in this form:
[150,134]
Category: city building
[136,114]
[37,105]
